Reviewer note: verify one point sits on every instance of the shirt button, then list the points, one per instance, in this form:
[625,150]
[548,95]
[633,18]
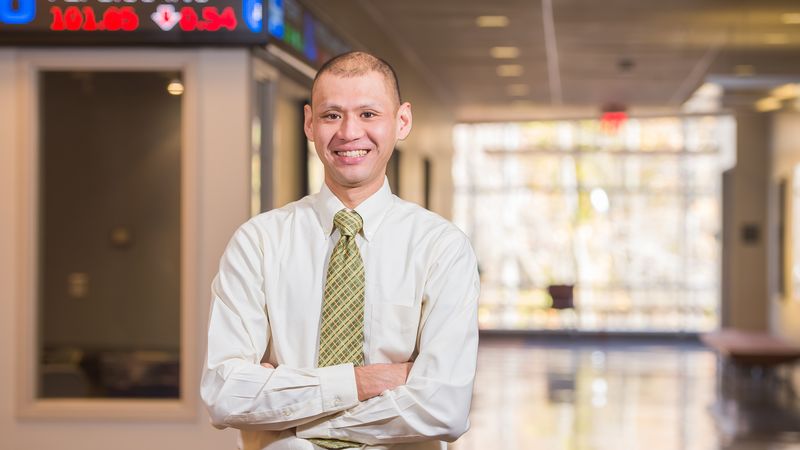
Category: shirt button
[337,401]
[287,413]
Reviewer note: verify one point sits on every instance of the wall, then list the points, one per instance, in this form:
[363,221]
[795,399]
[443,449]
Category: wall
[9,124]
[219,145]
[289,141]
[784,309]
[746,306]
[768,148]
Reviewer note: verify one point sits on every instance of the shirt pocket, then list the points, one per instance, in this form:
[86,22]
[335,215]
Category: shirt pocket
[393,335]
[393,305]
[396,305]
[399,318]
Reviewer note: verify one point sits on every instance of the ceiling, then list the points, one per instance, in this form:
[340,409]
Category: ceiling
[577,56]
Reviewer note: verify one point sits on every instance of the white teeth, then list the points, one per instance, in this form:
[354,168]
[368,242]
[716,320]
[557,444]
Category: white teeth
[353,153]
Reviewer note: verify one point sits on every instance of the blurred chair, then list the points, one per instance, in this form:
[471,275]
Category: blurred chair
[562,295]
[563,299]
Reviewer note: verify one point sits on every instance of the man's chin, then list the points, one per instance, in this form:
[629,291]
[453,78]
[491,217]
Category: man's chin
[352,182]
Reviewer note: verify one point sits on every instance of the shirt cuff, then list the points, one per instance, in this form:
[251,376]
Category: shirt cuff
[338,386]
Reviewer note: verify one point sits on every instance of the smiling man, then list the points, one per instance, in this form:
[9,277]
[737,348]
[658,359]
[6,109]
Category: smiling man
[347,319]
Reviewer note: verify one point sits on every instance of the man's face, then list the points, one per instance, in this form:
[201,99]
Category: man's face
[355,123]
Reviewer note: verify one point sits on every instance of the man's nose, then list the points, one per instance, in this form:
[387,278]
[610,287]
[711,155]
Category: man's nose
[350,129]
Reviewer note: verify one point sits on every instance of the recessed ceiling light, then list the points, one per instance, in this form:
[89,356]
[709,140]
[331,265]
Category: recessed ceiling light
[709,90]
[791,18]
[768,104]
[509,70]
[776,38]
[744,70]
[175,87]
[504,52]
[492,21]
[786,92]
[518,90]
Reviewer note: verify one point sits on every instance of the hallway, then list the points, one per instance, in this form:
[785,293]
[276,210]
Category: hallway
[627,174]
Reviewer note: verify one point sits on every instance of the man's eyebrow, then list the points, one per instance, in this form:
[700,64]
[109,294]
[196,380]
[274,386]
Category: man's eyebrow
[338,107]
[327,106]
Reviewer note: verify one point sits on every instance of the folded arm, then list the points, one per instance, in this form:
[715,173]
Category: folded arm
[237,390]
[434,403]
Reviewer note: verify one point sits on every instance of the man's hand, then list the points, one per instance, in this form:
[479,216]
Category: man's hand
[373,379]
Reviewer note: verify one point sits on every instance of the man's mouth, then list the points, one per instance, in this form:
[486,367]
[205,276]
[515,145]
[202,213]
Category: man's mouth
[352,153]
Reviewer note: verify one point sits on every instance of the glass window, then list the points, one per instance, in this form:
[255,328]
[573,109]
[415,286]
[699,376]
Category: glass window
[630,219]
[109,237]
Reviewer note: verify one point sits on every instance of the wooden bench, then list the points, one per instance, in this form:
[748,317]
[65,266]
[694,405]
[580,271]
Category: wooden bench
[751,348]
[749,376]
[751,362]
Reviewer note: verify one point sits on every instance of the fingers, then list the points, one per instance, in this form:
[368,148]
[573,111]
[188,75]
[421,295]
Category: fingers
[408,367]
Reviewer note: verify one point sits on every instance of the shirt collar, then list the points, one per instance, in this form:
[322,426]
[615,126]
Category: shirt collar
[372,210]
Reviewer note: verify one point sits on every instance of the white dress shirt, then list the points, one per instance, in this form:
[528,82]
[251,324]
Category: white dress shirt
[421,298]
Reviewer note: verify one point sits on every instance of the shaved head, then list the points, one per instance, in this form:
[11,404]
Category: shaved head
[355,64]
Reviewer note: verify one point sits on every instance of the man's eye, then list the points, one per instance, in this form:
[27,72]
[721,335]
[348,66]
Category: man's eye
[368,114]
[331,116]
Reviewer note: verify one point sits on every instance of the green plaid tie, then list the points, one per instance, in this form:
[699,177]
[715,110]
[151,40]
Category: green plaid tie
[341,337]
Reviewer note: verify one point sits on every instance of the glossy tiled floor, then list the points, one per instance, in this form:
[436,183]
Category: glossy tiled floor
[574,393]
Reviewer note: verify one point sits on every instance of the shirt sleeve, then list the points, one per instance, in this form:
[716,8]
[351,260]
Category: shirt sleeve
[237,391]
[434,403]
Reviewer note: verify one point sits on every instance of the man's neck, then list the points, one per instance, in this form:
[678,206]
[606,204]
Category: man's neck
[351,197]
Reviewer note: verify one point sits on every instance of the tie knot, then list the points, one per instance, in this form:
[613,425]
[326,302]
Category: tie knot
[348,222]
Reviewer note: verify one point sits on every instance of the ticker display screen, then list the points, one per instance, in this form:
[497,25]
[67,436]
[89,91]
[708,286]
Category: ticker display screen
[116,22]
[295,28]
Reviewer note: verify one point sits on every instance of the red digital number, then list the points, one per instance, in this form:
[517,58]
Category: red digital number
[188,19]
[90,22]
[215,20]
[58,19]
[130,21]
[211,16]
[229,18]
[112,19]
[212,19]
[74,19]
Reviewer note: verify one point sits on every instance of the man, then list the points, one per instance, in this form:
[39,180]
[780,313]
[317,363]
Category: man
[347,319]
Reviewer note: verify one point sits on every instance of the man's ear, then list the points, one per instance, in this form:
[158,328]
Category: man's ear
[404,120]
[308,122]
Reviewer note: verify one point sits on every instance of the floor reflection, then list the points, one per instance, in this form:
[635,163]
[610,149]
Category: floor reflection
[572,393]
